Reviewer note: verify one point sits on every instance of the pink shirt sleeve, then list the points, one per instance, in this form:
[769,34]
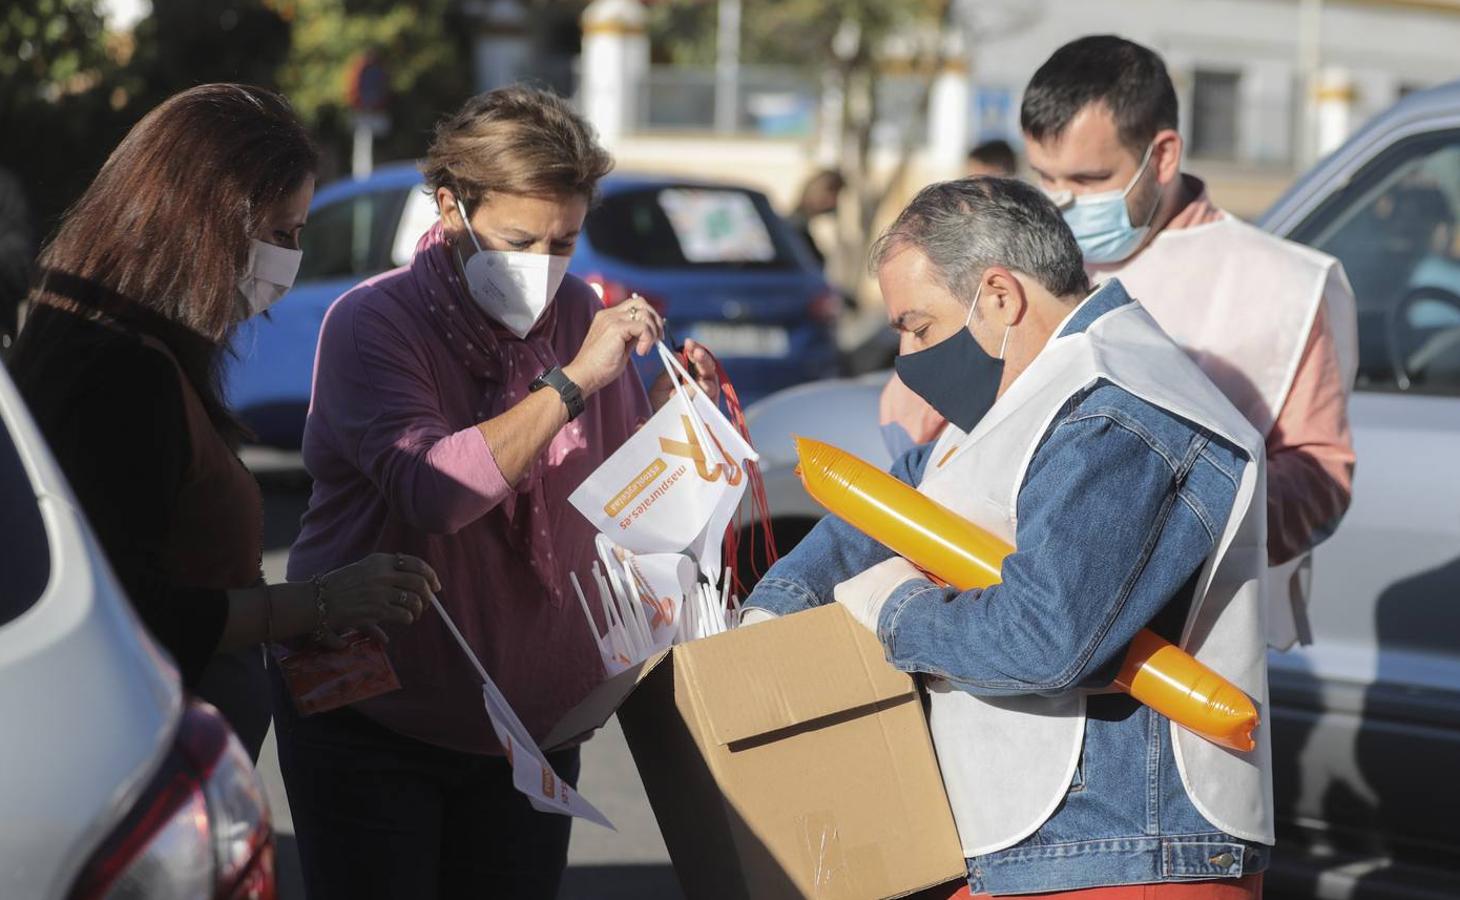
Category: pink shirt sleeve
[1310,455]
[383,406]
[900,406]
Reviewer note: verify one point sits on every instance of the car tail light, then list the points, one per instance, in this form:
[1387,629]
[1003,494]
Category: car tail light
[613,292]
[200,829]
[826,307]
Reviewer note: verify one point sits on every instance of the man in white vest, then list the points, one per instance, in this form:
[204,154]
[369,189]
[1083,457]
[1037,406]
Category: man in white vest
[1271,322]
[1130,488]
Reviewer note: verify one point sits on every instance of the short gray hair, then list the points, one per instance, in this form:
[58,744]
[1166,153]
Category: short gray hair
[965,226]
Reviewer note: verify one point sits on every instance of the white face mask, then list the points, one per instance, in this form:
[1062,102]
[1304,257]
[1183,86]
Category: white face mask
[268,275]
[1101,222]
[514,288]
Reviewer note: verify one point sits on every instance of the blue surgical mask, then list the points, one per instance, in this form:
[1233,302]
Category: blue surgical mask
[956,376]
[1101,222]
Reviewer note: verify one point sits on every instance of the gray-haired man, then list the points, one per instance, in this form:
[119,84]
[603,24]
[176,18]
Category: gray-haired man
[1125,480]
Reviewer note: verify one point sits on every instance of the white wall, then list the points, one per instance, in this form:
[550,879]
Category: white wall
[1382,46]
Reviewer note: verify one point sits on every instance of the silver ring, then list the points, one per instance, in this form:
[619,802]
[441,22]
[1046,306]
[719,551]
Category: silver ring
[634,313]
[405,599]
[400,561]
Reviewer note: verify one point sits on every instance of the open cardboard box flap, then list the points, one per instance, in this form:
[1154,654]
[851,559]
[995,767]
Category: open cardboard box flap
[592,712]
[809,666]
[762,679]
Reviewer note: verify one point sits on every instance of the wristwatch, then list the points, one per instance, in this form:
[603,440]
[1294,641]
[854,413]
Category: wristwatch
[572,395]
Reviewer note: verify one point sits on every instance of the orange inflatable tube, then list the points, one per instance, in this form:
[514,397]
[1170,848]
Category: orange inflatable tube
[953,549]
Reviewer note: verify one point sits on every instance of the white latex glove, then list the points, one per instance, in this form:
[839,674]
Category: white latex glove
[865,594]
[754,615]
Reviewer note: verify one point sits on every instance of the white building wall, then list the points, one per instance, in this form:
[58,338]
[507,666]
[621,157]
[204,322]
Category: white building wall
[1267,93]
[1382,46]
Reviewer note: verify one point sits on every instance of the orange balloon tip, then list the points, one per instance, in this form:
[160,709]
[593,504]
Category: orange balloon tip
[1241,741]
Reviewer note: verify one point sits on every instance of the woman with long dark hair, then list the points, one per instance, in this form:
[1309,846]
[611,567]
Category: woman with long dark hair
[191,226]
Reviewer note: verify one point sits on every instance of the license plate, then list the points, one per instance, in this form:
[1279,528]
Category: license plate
[743,340]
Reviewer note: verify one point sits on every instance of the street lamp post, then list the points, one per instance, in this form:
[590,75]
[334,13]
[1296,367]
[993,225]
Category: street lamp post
[727,67]
[1310,58]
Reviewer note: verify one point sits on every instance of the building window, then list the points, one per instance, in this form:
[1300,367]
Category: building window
[1214,115]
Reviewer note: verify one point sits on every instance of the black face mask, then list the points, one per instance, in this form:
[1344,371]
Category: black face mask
[956,376]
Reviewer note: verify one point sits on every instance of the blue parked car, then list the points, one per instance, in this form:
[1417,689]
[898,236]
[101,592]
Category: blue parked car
[714,258]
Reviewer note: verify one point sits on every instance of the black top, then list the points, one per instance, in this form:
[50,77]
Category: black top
[111,409]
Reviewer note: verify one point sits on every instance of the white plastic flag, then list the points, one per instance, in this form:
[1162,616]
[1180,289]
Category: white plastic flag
[676,483]
[532,775]
[706,547]
[662,581]
[613,644]
[642,597]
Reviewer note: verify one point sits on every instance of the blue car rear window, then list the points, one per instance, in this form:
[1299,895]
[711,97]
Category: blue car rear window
[632,226]
[23,543]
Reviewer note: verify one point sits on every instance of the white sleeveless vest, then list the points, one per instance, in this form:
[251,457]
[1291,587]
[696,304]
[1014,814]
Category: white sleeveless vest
[1241,302]
[1007,762]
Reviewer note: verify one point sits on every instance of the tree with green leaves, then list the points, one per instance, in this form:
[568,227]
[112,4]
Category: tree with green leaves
[58,110]
[422,46]
[183,43]
[70,90]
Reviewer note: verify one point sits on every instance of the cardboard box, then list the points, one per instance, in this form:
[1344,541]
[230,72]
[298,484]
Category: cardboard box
[787,759]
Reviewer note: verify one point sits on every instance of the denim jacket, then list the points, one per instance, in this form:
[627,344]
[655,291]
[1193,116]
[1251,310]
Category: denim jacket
[1120,507]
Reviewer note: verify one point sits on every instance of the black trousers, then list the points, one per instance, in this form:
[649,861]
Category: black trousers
[381,815]
[235,682]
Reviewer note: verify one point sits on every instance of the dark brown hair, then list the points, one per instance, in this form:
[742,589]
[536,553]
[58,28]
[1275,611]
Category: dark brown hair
[1129,79]
[160,239]
[515,140]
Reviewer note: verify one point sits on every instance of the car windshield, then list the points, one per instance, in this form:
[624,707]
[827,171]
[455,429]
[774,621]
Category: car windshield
[352,237]
[23,536]
[1396,228]
[687,227]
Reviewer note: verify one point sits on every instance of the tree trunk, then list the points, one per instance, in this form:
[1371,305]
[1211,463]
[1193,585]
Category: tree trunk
[859,117]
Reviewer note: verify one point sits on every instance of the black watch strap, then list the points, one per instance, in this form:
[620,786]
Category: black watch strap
[572,395]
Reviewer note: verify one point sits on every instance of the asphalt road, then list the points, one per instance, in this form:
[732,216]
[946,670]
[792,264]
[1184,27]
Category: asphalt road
[604,865]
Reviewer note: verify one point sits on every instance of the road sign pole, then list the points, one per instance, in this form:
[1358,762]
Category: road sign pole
[363,158]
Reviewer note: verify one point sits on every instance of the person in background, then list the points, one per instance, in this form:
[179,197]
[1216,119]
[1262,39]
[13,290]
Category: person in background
[191,226]
[993,157]
[458,401]
[1127,484]
[819,197]
[17,254]
[1270,321]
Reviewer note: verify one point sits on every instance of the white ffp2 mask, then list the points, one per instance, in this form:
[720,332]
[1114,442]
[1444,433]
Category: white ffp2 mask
[268,275]
[512,287]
